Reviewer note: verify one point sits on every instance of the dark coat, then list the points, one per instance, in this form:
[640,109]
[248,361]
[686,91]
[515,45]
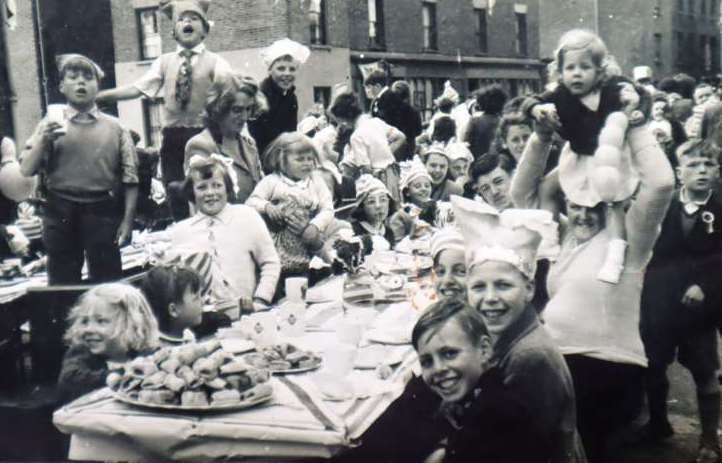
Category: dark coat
[480,133]
[390,108]
[282,115]
[679,261]
[81,372]
[494,426]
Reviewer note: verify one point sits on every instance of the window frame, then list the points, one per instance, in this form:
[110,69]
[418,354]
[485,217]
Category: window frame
[522,34]
[482,17]
[430,30]
[378,39]
[142,38]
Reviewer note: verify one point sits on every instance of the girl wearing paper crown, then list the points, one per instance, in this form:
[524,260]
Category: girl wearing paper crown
[592,108]
[283,58]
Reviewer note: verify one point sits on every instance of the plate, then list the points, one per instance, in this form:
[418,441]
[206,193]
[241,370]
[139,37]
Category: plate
[388,336]
[251,401]
[296,370]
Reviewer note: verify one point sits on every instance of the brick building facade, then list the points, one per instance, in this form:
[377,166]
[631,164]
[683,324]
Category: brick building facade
[671,36]
[470,42]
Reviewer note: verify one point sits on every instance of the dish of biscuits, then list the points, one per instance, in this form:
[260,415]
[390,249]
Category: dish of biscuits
[191,377]
[283,358]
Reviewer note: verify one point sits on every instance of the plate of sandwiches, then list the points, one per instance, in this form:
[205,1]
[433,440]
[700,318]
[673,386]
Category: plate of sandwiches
[283,358]
[192,377]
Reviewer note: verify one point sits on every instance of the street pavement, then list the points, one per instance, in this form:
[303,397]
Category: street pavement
[682,447]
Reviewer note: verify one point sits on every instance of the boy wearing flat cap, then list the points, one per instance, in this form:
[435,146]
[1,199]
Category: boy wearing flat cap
[91,179]
[283,59]
[183,78]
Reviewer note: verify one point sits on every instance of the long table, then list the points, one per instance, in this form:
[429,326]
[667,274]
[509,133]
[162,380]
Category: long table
[298,423]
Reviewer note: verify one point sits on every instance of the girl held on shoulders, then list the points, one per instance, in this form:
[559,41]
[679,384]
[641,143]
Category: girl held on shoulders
[111,323]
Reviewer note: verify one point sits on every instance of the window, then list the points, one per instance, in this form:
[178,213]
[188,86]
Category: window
[428,15]
[680,6]
[317,21]
[690,7]
[703,8]
[322,95]
[376,24]
[522,46]
[680,47]
[150,43]
[481,29]
[152,120]
[658,48]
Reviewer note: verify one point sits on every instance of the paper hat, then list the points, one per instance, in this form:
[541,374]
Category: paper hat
[458,150]
[449,93]
[307,124]
[173,9]
[435,148]
[446,238]
[575,173]
[490,236]
[285,47]
[71,58]
[410,171]
[642,72]
[368,184]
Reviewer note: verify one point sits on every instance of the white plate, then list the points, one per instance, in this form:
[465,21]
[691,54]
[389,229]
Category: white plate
[237,346]
[250,402]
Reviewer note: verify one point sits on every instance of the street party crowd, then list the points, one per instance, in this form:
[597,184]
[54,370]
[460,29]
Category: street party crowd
[574,234]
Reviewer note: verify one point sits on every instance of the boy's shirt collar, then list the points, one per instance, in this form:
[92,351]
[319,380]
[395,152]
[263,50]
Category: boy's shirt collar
[197,50]
[73,113]
[188,337]
[690,206]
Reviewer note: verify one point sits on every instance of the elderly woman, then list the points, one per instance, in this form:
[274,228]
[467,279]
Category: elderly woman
[595,324]
[231,102]
[234,235]
[500,265]
[284,57]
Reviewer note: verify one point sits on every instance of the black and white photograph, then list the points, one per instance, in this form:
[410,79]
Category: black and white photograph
[360,231]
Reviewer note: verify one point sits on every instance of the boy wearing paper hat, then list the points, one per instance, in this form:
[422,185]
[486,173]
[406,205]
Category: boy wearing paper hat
[501,253]
[283,58]
[183,78]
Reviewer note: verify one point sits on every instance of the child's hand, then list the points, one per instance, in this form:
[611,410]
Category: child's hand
[49,130]
[693,297]
[311,235]
[275,213]
[122,235]
[546,115]
[18,243]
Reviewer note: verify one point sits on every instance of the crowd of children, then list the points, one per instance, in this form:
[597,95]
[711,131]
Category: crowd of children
[260,195]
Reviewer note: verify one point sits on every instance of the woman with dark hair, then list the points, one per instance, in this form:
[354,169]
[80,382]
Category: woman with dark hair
[442,184]
[481,129]
[230,104]
[444,130]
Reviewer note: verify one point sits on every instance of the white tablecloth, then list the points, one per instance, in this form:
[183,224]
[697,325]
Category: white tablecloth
[299,422]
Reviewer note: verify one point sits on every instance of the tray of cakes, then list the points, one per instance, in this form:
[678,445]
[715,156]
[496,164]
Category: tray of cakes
[283,358]
[192,377]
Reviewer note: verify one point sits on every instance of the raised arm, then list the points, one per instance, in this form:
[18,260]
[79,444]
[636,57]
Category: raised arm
[38,146]
[648,209]
[527,181]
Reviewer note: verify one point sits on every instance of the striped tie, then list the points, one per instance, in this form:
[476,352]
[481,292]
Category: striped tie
[184,81]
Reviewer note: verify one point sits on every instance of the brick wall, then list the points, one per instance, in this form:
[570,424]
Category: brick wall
[456,24]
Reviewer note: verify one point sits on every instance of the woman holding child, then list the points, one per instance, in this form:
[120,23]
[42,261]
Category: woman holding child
[596,324]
